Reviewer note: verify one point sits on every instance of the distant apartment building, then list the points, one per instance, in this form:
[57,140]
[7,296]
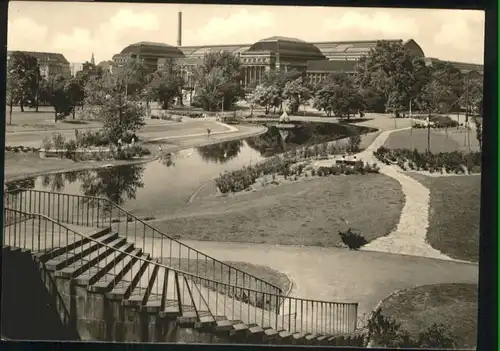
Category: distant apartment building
[75,68]
[50,63]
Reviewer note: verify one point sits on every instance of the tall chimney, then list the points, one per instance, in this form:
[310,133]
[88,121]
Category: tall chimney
[179,30]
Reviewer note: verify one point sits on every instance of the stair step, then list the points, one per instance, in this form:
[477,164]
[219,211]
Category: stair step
[71,256]
[171,309]
[127,285]
[198,300]
[84,263]
[109,280]
[158,296]
[141,297]
[46,255]
[101,268]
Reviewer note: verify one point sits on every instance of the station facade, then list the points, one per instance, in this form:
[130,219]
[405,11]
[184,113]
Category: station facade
[315,60]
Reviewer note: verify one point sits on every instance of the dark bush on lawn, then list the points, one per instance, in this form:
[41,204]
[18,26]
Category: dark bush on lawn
[353,240]
[384,331]
[451,162]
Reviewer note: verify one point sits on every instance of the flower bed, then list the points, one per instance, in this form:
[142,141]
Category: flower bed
[443,162]
[175,117]
[98,154]
[436,122]
[288,168]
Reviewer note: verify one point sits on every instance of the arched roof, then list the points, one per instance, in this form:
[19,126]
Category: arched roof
[288,46]
[338,50]
[153,49]
[414,48]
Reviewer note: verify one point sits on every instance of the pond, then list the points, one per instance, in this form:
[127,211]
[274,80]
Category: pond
[166,184]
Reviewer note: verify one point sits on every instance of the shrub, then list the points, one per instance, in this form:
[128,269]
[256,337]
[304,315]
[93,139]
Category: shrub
[70,147]
[47,143]
[353,240]
[58,140]
[386,332]
[453,162]
[436,336]
[353,143]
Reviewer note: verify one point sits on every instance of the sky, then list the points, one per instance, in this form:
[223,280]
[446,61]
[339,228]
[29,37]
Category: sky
[78,29]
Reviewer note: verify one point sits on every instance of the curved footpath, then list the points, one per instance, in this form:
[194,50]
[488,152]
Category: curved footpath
[409,238]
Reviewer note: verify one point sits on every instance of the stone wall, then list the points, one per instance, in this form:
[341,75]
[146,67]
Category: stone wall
[29,308]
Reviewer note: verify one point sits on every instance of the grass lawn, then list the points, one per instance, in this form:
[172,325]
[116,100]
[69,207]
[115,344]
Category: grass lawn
[202,268]
[440,142]
[454,214]
[308,212]
[453,305]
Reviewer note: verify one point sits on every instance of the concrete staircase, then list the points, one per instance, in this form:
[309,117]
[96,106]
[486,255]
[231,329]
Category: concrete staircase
[111,289]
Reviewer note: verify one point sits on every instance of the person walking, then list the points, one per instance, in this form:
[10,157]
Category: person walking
[208,132]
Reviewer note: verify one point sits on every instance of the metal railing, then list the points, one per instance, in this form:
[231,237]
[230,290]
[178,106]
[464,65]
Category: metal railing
[87,211]
[109,263]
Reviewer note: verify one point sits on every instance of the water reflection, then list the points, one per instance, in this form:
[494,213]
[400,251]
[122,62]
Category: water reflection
[15,187]
[118,184]
[18,185]
[282,138]
[54,182]
[222,152]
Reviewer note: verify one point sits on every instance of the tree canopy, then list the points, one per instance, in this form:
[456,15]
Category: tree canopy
[218,81]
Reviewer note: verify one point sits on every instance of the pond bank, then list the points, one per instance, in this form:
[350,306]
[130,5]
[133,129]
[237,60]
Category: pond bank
[22,166]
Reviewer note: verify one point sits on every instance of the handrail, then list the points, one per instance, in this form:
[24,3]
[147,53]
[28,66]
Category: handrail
[283,318]
[146,225]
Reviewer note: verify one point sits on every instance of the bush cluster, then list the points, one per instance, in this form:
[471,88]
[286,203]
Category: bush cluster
[451,162]
[358,168]
[177,114]
[131,152]
[241,179]
[438,122]
[21,148]
[175,117]
[386,332]
[286,166]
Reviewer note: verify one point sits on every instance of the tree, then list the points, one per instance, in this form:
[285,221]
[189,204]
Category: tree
[340,95]
[25,74]
[323,99]
[12,90]
[57,96]
[89,71]
[479,130]
[389,69]
[165,85]
[450,77]
[297,92]
[265,96]
[472,96]
[75,93]
[218,81]
[120,116]
[131,76]
[433,94]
